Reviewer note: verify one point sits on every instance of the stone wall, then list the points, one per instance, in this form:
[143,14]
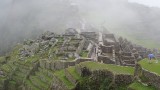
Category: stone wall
[80,48]
[150,77]
[127,58]
[129,61]
[123,79]
[43,63]
[91,51]
[105,60]
[127,54]
[153,78]
[4,84]
[32,71]
[83,60]
[79,69]
[57,65]
[107,49]
[116,79]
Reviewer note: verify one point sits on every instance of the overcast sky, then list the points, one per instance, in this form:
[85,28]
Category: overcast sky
[152,3]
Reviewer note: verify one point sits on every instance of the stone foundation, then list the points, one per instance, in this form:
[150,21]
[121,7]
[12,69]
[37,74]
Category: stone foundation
[105,60]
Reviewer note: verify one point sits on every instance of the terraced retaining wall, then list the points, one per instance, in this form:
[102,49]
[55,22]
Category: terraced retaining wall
[117,79]
[57,65]
[81,46]
[123,79]
[58,84]
[107,49]
[151,78]
[91,51]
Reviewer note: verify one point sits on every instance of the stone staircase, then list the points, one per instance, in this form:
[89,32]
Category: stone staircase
[128,61]
[114,55]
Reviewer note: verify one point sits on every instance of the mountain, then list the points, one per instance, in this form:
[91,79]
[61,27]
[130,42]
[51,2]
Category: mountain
[137,22]
[78,61]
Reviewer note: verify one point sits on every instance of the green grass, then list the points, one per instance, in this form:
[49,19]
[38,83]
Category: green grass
[15,52]
[2,79]
[84,53]
[153,67]
[37,82]
[2,59]
[73,72]
[32,59]
[30,84]
[114,68]
[6,68]
[71,59]
[139,86]
[61,75]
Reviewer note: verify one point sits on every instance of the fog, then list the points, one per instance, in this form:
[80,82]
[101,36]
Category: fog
[137,22]
[23,19]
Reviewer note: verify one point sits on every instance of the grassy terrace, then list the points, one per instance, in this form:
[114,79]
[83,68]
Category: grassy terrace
[115,69]
[61,75]
[73,72]
[2,59]
[139,86]
[153,66]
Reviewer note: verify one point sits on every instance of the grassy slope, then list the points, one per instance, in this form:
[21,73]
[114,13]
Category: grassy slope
[61,75]
[139,86]
[73,72]
[114,68]
[153,67]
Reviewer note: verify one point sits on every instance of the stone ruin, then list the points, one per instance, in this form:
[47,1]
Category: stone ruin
[51,51]
[113,50]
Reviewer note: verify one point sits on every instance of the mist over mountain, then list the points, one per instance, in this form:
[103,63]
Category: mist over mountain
[22,19]
[137,22]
